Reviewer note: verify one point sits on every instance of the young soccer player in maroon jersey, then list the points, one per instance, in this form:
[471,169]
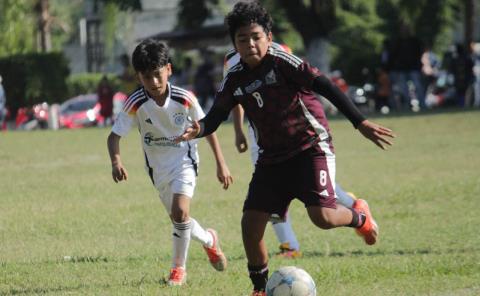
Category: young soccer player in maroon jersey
[296,157]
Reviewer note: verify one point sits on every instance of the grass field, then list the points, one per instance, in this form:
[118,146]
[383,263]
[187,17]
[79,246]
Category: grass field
[67,229]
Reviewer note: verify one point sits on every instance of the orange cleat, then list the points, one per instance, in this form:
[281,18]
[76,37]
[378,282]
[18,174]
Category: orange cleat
[178,276]
[215,254]
[287,252]
[258,293]
[369,231]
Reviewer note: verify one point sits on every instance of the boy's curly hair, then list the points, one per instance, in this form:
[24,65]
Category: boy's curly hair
[246,13]
[149,55]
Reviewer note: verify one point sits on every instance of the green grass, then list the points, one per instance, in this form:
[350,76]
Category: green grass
[57,199]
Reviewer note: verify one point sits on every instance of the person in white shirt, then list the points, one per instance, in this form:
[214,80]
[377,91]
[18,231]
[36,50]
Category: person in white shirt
[161,111]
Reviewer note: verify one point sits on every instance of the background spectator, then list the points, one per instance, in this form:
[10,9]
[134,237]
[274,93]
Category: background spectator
[204,81]
[462,71]
[105,97]
[405,65]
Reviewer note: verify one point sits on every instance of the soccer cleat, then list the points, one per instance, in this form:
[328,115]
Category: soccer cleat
[178,276]
[258,293]
[353,196]
[369,230]
[287,252]
[215,254]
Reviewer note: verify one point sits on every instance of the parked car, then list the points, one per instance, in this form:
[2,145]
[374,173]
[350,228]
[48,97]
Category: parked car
[80,111]
[84,110]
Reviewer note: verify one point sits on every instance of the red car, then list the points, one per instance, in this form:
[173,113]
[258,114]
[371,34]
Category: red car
[84,110]
[81,111]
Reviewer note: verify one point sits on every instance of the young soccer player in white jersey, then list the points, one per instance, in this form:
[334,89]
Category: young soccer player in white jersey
[296,157]
[289,245]
[161,112]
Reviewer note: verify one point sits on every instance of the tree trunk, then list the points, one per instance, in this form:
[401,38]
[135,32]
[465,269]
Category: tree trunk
[317,53]
[44,43]
[469,22]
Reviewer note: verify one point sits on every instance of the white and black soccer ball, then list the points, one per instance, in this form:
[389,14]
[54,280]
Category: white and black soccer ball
[291,281]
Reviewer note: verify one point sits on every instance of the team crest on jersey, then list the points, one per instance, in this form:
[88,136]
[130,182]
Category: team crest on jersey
[270,78]
[253,86]
[179,118]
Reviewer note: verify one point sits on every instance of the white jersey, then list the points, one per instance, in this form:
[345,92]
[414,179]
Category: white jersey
[159,126]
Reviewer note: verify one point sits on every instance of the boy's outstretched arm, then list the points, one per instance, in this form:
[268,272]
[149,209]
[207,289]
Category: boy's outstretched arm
[376,133]
[119,173]
[206,126]
[372,131]
[240,139]
[223,173]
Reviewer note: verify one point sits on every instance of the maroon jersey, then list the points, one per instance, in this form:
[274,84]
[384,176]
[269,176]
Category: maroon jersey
[279,103]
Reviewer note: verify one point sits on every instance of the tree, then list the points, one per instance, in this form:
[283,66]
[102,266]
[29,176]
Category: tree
[16,27]
[192,14]
[314,20]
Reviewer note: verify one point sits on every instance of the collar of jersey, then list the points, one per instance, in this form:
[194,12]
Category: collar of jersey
[167,99]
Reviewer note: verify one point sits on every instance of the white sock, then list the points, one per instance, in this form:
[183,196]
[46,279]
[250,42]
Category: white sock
[285,234]
[201,235]
[181,242]
[343,198]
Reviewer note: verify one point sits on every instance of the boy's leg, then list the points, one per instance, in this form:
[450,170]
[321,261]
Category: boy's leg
[318,171]
[182,228]
[283,229]
[343,198]
[253,228]
[180,206]
[289,246]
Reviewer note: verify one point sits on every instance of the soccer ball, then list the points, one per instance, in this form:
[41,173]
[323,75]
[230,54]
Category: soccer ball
[291,281]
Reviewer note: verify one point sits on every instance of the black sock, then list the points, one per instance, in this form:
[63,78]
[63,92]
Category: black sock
[358,219]
[258,276]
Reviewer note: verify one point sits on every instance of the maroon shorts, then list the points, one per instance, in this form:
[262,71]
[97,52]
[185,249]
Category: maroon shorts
[305,176]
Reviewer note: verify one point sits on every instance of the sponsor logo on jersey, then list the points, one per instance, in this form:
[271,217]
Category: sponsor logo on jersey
[270,78]
[253,86]
[179,118]
[238,92]
[150,140]
[148,120]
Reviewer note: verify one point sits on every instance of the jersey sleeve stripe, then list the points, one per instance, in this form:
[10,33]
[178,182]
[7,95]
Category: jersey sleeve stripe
[183,97]
[133,97]
[289,58]
[237,67]
[134,102]
[136,105]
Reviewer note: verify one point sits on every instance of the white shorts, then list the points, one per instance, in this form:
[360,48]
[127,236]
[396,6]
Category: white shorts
[182,182]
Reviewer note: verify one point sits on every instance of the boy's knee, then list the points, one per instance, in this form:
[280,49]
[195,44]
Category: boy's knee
[179,216]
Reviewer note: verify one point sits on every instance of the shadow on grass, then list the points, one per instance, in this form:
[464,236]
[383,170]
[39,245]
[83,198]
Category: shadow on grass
[361,253]
[37,291]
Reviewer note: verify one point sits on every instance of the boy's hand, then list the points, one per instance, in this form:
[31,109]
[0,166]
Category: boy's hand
[376,133]
[241,142]
[119,173]
[223,175]
[190,133]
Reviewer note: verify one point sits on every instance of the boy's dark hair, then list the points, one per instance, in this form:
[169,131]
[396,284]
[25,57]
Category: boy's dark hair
[149,55]
[246,13]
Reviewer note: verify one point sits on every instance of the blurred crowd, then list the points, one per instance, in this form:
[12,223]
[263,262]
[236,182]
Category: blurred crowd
[411,77]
